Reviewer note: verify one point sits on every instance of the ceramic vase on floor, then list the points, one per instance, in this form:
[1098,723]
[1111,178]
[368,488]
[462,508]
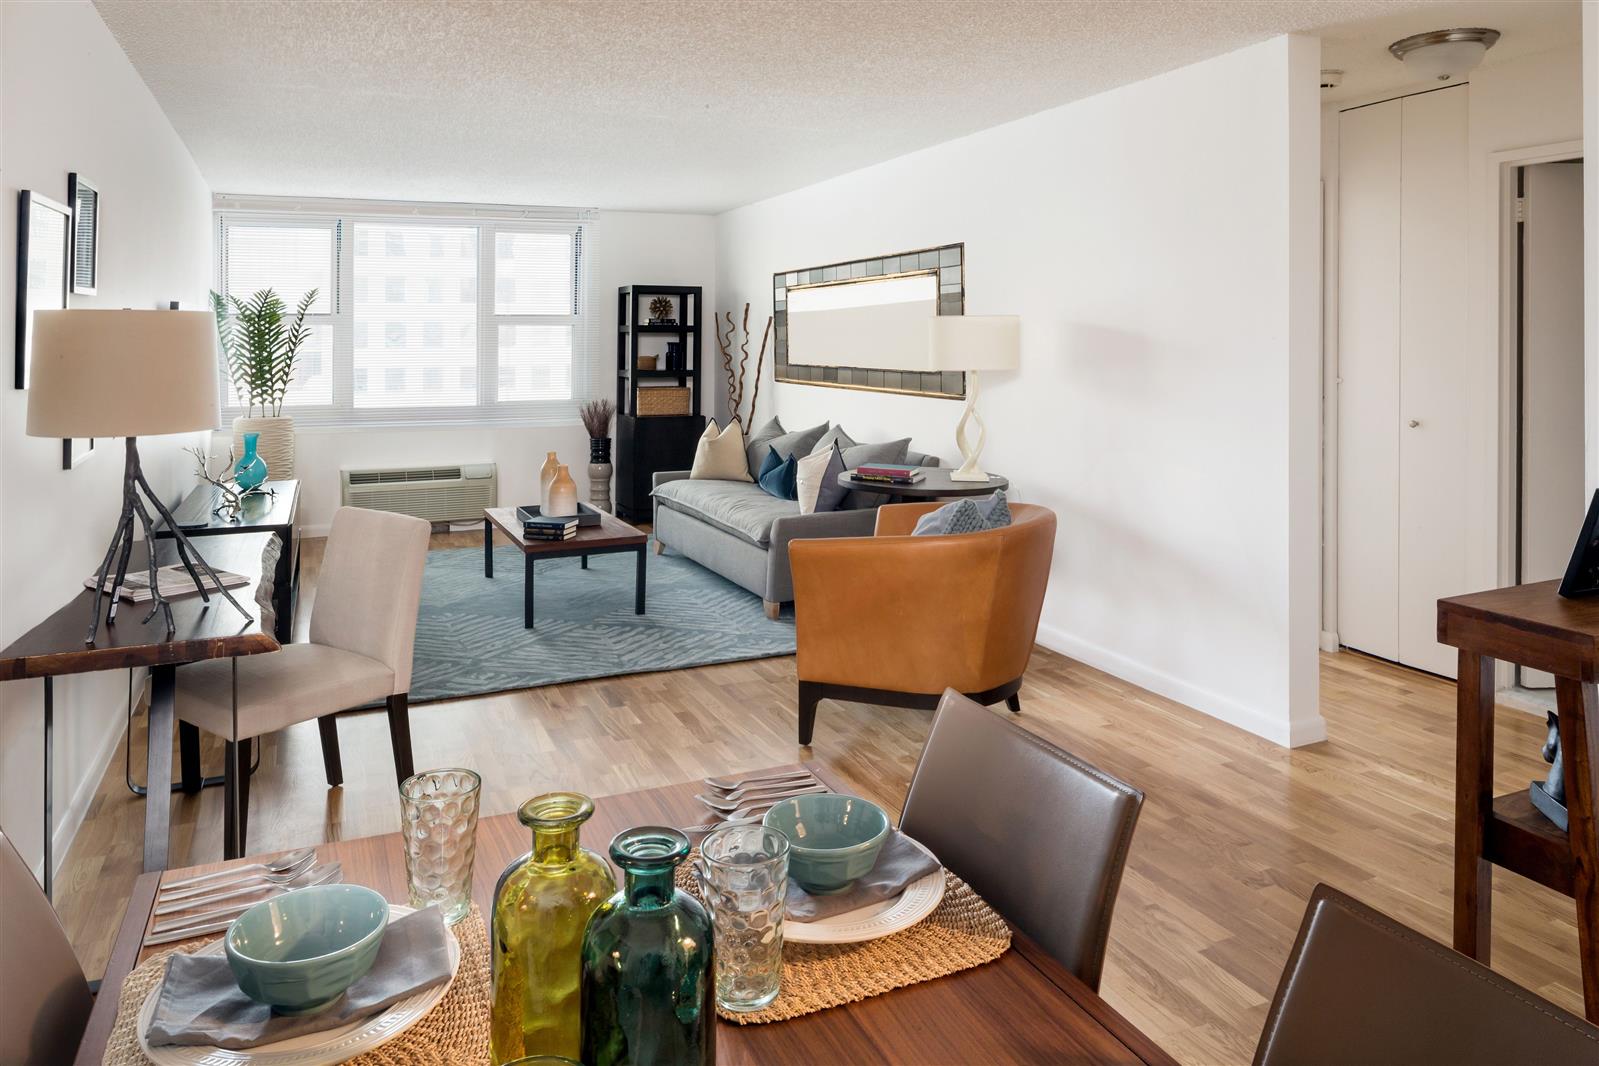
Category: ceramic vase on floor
[547,475]
[561,499]
[600,473]
[275,442]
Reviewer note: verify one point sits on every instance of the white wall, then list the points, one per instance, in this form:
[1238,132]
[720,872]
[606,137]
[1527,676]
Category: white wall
[72,101]
[1590,170]
[627,248]
[1160,245]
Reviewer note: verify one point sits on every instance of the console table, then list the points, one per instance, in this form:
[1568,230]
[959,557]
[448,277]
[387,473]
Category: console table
[1530,625]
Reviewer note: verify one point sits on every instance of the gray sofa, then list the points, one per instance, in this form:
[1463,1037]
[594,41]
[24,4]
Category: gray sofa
[737,530]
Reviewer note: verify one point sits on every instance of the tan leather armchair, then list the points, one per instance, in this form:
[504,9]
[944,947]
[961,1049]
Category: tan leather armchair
[895,619]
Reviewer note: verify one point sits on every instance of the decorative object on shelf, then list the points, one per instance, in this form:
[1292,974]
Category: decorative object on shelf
[596,416]
[43,254]
[736,374]
[562,499]
[128,374]
[1549,795]
[1582,572]
[661,312]
[251,470]
[647,362]
[83,196]
[1442,55]
[547,474]
[860,324]
[664,400]
[230,494]
[972,343]
[261,341]
[542,904]
[649,995]
[674,356]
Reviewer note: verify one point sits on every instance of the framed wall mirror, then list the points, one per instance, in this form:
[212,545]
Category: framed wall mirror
[43,258]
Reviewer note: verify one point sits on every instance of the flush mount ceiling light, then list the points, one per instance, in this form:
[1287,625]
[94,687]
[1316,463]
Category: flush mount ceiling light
[1444,54]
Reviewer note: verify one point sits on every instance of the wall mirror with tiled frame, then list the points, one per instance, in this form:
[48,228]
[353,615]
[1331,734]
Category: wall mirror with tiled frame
[945,265]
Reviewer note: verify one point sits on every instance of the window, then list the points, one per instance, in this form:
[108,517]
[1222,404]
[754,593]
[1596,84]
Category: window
[421,319]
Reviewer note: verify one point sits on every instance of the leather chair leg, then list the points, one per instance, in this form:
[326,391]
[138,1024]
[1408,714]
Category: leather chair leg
[400,734]
[1014,702]
[328,727]
[189,757]
[810,694]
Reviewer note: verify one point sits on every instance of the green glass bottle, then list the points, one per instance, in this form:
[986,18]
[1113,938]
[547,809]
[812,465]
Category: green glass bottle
[542,905]
[649,993]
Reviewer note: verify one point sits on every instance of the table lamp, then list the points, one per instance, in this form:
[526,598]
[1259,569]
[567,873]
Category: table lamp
[128,374]
[973,343]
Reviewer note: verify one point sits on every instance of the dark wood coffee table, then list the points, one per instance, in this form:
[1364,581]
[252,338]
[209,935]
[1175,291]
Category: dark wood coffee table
[611,536]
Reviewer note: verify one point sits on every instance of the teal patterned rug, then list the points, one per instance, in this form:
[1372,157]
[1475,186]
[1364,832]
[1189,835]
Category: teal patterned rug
[470,640]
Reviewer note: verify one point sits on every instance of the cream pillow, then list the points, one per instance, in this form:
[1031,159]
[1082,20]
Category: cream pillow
[719,456]
[816,482]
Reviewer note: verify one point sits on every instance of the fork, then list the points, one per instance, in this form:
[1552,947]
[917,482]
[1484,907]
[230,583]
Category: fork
[743,816]
[729,784]
[308,877]
[331,874]
[733,800]
[255,881]
[287,863]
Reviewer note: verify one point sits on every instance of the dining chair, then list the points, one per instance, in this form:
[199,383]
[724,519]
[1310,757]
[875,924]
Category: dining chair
[363,630]
[1038,833]
[1360,987]
[44,999]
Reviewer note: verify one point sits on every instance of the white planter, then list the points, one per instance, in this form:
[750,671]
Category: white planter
[275,444]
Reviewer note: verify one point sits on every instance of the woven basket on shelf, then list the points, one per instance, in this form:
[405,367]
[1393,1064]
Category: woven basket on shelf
[664,400]
[646,362]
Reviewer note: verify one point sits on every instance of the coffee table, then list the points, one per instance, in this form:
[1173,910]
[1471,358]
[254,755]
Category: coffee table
[611,536]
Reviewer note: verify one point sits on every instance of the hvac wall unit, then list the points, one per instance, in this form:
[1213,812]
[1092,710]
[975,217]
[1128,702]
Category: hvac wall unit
[437,493]
[1402,362]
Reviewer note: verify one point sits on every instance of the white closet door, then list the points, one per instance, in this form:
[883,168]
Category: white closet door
[1433,341]
[1368,371]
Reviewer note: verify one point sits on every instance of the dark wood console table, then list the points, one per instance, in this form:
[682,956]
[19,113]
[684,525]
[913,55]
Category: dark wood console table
[273,512]
[1530,625]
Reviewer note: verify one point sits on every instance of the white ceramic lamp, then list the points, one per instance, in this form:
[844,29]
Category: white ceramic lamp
[971,344]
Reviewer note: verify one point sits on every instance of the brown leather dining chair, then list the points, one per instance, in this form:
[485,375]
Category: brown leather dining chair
[44,999]
[1361,988]
[1038,833]
[896,619]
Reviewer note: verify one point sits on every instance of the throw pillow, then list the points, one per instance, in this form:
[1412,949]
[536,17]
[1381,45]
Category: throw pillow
[965,516]
[797,443]
[778,476]
[770,463]
[817,482]
[889,451]
[835,437]
[719,456]
[756,443]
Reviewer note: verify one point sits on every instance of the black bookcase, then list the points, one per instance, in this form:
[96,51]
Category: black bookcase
[646,442]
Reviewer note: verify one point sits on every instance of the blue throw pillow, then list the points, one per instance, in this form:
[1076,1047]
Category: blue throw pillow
[965,516]
[779,476]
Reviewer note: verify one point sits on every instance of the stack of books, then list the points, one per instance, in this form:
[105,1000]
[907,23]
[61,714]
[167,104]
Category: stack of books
[887,474]
[549,527]
[173,579]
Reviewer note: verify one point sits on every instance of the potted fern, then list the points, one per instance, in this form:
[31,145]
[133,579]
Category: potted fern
[261,340]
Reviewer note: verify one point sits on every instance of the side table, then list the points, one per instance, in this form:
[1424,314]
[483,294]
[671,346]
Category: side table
[264,513]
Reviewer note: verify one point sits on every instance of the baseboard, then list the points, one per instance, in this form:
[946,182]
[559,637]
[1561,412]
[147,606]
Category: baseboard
[1329,641]
[70,820]
[1288,734]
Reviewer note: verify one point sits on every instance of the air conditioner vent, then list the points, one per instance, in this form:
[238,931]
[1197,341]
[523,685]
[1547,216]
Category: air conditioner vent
[389,477]
[439,494]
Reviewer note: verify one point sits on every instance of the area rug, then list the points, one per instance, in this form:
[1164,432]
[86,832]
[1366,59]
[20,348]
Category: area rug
[470,640]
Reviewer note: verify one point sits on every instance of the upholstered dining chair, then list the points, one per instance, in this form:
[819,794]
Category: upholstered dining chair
[1360,987]
[363,629]
[44,999]
[1038,833]
[896,619]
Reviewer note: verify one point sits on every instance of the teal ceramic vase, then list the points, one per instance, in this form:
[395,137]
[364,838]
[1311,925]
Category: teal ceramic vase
[251,470]
[649,992]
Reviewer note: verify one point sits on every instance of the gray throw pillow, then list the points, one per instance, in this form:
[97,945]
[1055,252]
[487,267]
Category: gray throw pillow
[798,444]
[965,516]
[835,437]
[889,451]
[832,493]
[756,444]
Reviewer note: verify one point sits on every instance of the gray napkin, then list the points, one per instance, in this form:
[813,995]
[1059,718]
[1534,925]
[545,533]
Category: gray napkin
[200,1002]
[901,861]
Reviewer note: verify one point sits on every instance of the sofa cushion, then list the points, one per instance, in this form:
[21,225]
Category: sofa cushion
[817,485]
[798,443]
[835,437]
[720,454]
[735,507]
[965,516]
[778,476]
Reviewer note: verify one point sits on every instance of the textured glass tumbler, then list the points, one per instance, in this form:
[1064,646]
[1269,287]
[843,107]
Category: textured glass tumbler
[438,822]
[745,876]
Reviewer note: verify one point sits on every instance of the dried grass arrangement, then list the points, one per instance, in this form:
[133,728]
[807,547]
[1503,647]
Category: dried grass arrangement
[596,416]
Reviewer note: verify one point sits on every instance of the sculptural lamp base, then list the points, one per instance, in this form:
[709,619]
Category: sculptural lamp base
[971,448]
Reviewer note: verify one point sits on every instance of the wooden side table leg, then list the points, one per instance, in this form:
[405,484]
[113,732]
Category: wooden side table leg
[488,548]
[1579,747]
[1474,773]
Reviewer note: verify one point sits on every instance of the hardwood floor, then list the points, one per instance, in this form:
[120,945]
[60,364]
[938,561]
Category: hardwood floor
[1234,835]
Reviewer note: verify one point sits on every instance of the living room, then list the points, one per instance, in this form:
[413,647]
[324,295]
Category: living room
[1089,284]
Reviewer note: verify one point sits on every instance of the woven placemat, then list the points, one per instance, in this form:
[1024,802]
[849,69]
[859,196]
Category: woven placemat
[962,932]
[455,1031]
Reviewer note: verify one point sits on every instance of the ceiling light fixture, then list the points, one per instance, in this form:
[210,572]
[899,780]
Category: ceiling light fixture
[1444,54]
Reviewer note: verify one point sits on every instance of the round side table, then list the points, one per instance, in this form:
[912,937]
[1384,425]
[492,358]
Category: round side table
[935,484]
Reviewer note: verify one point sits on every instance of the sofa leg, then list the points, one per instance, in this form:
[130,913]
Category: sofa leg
[328,726]
[660,549]
[810,694]
[1014,702]
[772,609]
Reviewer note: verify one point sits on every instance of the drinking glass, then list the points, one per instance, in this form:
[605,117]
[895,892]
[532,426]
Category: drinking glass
[745,876]
[438,822]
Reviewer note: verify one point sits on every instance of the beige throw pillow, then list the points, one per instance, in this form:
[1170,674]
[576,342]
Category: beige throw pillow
[719,456]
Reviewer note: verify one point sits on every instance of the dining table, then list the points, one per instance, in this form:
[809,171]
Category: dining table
[1022,1007]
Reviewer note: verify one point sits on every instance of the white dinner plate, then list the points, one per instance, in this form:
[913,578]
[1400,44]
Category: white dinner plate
[313,1049]
[919,899]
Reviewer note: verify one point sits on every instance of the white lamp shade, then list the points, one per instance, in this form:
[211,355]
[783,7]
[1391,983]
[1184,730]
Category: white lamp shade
[974,342]
[123,373]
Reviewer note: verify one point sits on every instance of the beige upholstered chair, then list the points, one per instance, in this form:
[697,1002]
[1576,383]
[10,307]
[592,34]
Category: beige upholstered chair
[1038,833]
[44,1000]
[363,628]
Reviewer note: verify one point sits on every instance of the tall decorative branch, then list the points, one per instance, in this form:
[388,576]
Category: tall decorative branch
[737,375]
[230,497]
[723,343]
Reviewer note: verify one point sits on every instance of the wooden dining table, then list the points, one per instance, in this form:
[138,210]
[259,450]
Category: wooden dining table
[1022,1007]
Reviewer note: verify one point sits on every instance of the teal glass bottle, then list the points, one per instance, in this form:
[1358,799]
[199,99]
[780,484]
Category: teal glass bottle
[251,470]
[649,991]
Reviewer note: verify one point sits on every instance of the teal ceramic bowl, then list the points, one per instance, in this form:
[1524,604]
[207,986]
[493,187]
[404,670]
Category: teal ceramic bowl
[833,840]
[298,952]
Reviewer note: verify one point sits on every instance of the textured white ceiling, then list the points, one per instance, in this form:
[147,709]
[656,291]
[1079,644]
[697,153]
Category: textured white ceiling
[677,105]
